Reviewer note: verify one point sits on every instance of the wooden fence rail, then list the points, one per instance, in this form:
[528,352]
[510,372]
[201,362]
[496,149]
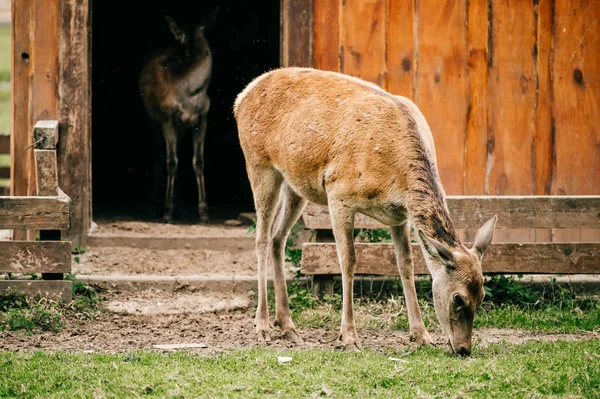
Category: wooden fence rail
[49,213]
[320,260]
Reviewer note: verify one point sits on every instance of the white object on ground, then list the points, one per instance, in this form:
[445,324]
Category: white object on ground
[395,359]
[284,359]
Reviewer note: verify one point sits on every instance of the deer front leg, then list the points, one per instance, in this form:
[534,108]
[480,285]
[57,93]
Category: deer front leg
[290,208]
[401,238]
[198,160]
[342,221]
[171,141]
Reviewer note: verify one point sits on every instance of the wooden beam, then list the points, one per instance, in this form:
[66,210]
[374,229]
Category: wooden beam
[378,259]
[4,144]
[35,257]
[513,212]
[21,67]
[297,33]
[45,134]
[35,213]
[45,172]
[62,290]
[74,109]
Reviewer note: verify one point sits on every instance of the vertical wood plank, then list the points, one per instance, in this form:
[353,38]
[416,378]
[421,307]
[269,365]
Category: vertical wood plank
[327,35]
[297,33]
[576,77]
[400,54]
[363,39]
[21,160]
[75,147]
[442,85]
[45,66]
[477,119]
[512,94]
[543,132]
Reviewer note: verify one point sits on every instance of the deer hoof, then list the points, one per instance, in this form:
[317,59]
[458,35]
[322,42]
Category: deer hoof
[264,337]
[350,344]
[292,336]
[422,338]
[167,219]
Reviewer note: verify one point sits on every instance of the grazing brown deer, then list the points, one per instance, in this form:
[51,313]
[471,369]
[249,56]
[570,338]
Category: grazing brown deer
[173,83]
[339,141]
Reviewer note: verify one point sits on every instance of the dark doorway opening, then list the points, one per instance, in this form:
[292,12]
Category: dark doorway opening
[244,42]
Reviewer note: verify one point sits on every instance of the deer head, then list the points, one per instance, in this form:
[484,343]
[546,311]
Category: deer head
[458,284]
[191,38]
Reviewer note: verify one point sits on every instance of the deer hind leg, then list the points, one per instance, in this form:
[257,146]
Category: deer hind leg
[265,187]
[289,210]
[401,238]
[198,161]
[342,221]
[170,134]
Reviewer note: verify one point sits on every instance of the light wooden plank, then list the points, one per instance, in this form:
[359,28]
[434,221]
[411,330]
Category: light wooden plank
[35,257]
[543,132]
[363,39]
[378,259]
[46,174]
[44,78]
[400,52]
[36,213]
[4,144]
[297,33]
[21,68]
[512,94]
[477,126]
[62,290]
[576,78]
[513,212]
[442,86]
[326,35]
[75,147]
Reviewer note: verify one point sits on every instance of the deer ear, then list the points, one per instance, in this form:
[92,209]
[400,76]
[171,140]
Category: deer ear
[437,250]
[484,236]
[174,28]
[210,20]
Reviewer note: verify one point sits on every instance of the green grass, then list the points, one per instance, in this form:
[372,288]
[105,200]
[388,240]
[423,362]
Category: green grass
[557,369]
[4,54]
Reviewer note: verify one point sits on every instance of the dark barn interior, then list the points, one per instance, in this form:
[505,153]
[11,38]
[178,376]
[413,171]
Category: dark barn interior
[244,43]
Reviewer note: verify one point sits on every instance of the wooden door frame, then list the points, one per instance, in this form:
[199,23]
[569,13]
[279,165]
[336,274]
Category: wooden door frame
[296,40]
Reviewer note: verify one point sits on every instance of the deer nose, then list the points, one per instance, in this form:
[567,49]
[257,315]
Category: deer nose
[463,351]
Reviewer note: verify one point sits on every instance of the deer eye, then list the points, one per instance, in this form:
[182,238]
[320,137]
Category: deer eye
[459,300]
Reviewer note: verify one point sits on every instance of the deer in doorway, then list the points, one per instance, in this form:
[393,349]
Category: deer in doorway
[335,140]
[173,84]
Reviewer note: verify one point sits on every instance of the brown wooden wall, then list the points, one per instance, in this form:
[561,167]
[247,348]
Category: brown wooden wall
[511,89]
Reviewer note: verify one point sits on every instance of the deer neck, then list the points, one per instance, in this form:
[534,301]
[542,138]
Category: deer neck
[426,205]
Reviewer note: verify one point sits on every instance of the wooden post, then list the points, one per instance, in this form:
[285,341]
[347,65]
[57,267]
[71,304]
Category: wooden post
[74,109]
[322,284]
[45,136]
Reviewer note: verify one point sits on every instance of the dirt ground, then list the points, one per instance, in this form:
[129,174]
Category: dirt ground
[140,320]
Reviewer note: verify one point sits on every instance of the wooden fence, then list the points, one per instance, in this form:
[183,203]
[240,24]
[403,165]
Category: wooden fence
[320,259]
[4,170]
[49,212]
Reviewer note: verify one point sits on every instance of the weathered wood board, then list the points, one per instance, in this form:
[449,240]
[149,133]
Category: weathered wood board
[379,259]
[46,173]
[297,33]
[74,109]
[4,144]
[59,289]
[35,256]
[513,212]
[35,213]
